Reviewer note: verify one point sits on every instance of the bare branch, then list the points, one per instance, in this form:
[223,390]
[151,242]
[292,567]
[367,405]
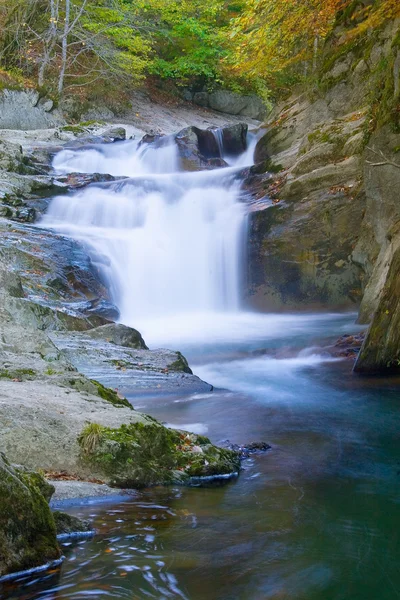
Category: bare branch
[385,162]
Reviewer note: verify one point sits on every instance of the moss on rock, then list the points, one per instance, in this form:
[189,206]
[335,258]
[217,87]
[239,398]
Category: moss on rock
[27,528]
[180,364]
[141,455]
[110,395]
[67,524]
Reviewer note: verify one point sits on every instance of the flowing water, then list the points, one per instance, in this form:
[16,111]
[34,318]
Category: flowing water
[314,518]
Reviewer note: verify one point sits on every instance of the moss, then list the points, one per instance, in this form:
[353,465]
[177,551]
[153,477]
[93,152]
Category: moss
[27,528]
[76,129]
[110,395]
[180,364]
[67,524]
[91,123]
[144,454]
[17,374]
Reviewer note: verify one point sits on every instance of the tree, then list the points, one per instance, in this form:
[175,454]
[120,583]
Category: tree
[70,43]
[271,36]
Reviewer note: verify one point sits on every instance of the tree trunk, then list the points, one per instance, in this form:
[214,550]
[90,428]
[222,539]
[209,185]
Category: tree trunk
[64,46]
[315,57]
[396,75]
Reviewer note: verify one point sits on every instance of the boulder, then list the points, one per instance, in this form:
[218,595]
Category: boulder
[201,98]
[234,138]
[68,525]
[191,143]
[139,455]
[22,109]
[229,102]
[116,134]
[119,334]
[236,104]
[27,529]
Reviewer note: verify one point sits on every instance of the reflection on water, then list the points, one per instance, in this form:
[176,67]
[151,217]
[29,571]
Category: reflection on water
[315,518]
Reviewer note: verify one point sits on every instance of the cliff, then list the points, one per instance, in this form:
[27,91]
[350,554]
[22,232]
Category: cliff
[328,235]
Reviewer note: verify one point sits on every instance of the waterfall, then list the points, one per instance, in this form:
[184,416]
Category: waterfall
[168,243]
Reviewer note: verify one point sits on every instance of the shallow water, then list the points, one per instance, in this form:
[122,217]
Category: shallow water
[314,518]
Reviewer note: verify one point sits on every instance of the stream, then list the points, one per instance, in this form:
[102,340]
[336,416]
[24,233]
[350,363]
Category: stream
[314,518]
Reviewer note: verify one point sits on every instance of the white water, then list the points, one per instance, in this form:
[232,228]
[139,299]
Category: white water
[169,243]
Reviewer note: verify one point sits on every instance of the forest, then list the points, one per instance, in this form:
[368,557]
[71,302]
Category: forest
[85,47]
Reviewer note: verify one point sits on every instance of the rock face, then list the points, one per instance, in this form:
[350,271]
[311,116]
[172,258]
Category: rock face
[321,233]
[27,528]
[302,240]
[380,353]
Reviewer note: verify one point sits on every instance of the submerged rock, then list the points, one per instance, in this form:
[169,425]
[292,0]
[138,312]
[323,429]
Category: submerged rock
[27,528]
[68,525]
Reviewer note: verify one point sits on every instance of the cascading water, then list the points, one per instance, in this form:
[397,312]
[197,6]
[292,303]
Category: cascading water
[169,243]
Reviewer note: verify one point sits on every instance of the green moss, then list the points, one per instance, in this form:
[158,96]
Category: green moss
[74,129]
[17,374]
[110,395]
[180,364]
[67,524]
[27,528]
[144,454]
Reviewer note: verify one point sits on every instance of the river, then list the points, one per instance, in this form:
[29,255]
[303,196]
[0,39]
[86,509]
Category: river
[314,518]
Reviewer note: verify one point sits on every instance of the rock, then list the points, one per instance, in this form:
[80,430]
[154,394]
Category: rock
[119,334]
[189,142]
[255,108]
[234,138]
[23,110]
[68,524]
[380,352]
[235,104]
[229,102]
[137,455]
[151,138]
[201,98]
[28,532]
[46,104]
[246,450]
[115,133]
[347,346]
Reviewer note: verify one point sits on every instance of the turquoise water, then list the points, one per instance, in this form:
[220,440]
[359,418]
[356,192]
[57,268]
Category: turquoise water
[314,518]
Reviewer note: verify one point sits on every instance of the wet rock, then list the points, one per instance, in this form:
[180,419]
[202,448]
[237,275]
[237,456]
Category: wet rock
[76,181]
[67,524]
[115,134]
[246,450]
[348,346]
[380,352]
[234,138]
[199,149]
[28,532]
[187,141]
[151,138]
